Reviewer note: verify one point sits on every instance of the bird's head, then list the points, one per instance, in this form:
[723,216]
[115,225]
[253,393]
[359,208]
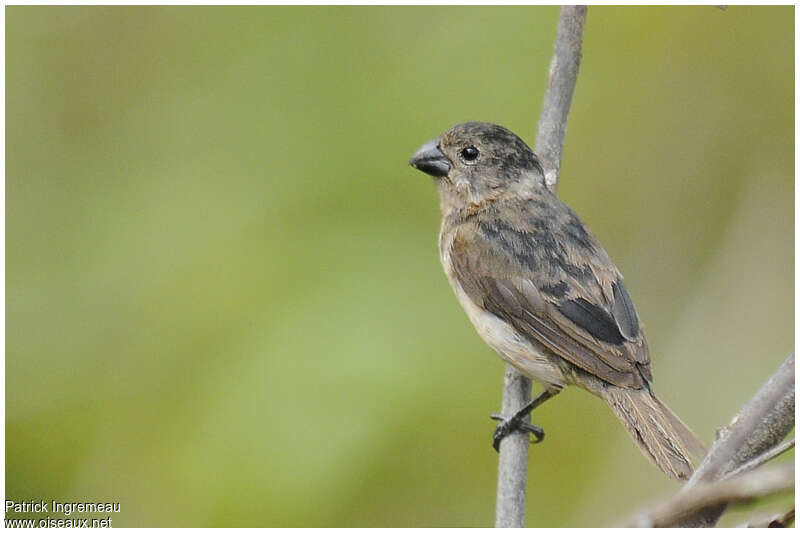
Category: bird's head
[476,162]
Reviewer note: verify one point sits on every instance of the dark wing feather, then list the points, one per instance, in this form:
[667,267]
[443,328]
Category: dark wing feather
[588,320]
[593,319]
[624,313]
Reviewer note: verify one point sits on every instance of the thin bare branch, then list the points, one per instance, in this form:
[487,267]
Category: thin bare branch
[513,462]
[702,496]
[784,519]
[763,458]
[512,475]
[759,426]
[557,100]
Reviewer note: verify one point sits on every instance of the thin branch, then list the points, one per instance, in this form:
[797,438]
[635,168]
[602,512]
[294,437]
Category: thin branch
[759,426]
[563,75]
[513,461]
[763,458]
[784,519]
[704,496]
[512,469]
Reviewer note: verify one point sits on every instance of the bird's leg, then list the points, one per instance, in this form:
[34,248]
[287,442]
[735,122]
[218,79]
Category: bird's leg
[515,423]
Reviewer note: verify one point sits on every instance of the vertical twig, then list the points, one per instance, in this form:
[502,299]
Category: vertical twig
[563,75]
[512,468]
[513,462]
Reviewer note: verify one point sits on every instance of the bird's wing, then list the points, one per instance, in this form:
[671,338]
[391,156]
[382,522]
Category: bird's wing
[577,308]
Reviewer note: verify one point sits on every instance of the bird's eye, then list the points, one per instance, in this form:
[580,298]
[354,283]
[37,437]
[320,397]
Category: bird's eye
[470,153]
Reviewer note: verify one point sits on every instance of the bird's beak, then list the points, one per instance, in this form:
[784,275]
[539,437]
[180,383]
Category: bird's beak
[430,160]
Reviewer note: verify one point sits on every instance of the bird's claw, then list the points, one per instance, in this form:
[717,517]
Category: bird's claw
[512,424]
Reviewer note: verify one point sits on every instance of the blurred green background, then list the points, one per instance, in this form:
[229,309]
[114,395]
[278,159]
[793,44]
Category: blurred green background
[223,294]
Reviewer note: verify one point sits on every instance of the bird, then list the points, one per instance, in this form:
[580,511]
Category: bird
[541,290]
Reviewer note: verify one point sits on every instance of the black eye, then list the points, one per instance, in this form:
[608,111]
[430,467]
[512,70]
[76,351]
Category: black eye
[470,153]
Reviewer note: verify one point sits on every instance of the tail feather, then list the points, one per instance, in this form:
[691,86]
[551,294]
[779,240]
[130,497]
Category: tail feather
[658,432]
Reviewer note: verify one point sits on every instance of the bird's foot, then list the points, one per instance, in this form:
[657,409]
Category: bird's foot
[509,425]
[517,421]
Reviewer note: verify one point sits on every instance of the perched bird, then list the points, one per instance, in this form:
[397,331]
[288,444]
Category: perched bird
[541,290]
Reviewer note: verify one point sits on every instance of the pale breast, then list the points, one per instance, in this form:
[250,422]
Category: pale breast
[503,338]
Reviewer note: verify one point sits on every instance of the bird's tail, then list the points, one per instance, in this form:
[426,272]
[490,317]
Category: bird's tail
[658,432]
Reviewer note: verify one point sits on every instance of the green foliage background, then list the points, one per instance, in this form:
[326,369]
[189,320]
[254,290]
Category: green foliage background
[224,301]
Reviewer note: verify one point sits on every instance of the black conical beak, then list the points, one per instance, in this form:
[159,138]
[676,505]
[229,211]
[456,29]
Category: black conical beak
[430,160]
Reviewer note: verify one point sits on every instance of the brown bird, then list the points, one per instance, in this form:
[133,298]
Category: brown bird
[541,290]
